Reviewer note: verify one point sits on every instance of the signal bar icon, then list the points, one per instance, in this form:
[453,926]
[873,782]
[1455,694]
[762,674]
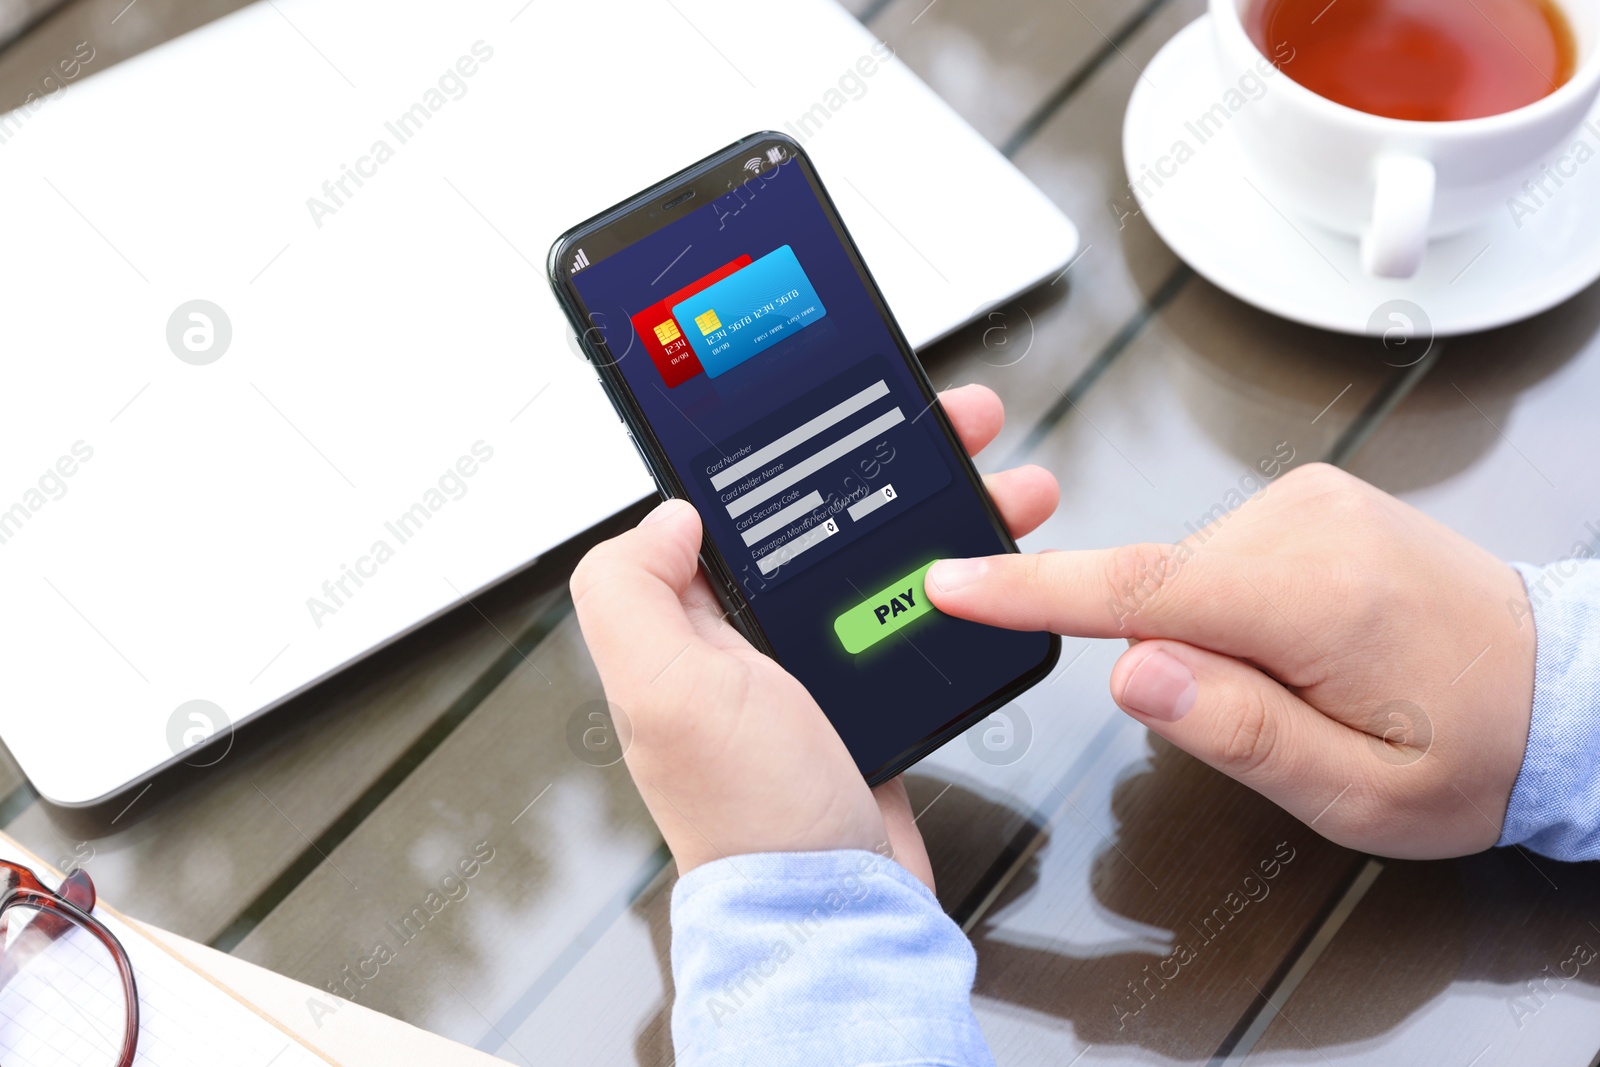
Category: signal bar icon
[775,156]
[579,261]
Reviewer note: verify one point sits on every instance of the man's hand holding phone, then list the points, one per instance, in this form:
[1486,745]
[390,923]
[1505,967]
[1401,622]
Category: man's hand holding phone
[730,752]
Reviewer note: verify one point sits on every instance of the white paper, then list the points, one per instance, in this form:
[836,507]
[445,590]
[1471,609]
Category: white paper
[185,1020]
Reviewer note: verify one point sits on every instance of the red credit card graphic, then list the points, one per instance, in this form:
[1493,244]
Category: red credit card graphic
[663,336]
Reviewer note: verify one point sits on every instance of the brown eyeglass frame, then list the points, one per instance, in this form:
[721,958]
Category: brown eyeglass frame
[55,911]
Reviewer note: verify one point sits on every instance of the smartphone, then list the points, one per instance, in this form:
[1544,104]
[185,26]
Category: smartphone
[752,359]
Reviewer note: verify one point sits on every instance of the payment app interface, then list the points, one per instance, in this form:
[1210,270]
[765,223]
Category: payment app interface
[751,342]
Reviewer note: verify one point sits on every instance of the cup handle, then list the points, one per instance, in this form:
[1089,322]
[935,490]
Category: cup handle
[1402,207]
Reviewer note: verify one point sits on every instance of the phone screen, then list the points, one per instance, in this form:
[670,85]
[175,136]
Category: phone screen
[782,396]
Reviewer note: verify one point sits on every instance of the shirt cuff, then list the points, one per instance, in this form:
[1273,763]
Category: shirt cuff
[1555,804]
[818,958]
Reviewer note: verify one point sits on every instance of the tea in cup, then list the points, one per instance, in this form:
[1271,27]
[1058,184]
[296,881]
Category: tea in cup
[1399,121]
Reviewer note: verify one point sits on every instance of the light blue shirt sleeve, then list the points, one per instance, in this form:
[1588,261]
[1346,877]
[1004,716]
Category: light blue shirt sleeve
[819,958]
[808,959]
[1555,805]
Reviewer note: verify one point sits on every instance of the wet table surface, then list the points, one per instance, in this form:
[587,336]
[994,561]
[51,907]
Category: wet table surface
[1078,868]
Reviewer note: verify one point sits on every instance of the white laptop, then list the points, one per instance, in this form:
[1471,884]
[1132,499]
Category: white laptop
[274,297]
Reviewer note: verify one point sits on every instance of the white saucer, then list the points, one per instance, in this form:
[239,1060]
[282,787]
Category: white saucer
[1217,222]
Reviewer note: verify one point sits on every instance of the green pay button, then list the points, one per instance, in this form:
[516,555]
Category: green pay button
[883,613]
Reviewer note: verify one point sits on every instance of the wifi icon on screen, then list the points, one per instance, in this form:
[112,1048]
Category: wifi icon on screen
[753,164]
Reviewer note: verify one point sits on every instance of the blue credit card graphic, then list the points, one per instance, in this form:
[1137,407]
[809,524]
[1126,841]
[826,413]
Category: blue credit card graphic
[749,311]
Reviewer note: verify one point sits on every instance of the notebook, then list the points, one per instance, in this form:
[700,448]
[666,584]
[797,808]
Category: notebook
[185,1018]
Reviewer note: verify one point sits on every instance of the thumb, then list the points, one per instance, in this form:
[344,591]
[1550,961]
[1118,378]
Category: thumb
[1246,725]
[628,595]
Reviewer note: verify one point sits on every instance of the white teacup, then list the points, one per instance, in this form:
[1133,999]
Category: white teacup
[1397,183]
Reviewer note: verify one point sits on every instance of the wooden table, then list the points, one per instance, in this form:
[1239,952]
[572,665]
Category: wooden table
[1150,393]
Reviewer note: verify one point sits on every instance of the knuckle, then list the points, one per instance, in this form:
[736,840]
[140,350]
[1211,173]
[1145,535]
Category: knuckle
[1039,579]
[1314,477]
[1335,492]
[598,566]
[1353,502]
[584,575]
[1251,738]
[1135,576]
[1035,574]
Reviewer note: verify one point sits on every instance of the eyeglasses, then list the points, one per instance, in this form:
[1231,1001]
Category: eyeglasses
[67,994]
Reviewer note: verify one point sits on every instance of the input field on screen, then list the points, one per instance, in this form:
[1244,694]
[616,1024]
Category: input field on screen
[867,505]
[785,554]
[815,462]
[799,435]
[773,523]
